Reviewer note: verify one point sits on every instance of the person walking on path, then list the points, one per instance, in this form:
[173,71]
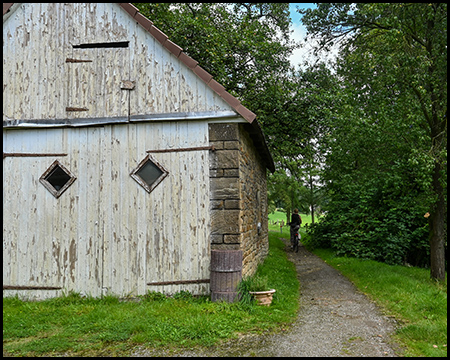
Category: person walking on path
[295,223]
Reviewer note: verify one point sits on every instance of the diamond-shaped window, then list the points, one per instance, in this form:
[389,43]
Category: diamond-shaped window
[149,173]
[57,179]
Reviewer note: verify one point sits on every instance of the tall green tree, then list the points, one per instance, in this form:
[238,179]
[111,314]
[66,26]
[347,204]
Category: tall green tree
[394,59]
[294,113]
[243,45]
[285,191]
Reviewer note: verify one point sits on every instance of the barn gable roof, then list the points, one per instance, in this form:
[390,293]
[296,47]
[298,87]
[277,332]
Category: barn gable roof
[253,127]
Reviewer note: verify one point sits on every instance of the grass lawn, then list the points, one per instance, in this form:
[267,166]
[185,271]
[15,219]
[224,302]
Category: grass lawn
[75,326]
[279,215]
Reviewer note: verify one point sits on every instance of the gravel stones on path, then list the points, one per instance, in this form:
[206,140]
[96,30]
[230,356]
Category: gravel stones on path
[334,319]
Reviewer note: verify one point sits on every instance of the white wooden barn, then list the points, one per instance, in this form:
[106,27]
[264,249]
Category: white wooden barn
[125,165]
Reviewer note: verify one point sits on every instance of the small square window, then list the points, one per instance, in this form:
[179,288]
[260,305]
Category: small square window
[149,173]
[57,179]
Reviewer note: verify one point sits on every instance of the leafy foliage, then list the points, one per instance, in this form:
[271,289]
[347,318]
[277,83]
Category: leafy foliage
[295,117]
[371,221]
[385,168]
[241,44]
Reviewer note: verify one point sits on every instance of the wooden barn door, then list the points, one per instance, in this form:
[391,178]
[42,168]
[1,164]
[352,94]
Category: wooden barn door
[161,235]
[98,75]
[98,91]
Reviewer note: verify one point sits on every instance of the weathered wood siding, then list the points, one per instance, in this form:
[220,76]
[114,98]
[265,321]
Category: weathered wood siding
[106,233]
[39,83]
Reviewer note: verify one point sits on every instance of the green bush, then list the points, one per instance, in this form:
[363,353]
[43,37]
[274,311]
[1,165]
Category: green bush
[244,289]
[183,295]
[374,221]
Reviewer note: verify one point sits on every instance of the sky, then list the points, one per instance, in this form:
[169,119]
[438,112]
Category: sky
[300,55]
[299,31]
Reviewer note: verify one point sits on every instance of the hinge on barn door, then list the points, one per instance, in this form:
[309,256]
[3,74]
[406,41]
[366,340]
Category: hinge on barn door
[127,85]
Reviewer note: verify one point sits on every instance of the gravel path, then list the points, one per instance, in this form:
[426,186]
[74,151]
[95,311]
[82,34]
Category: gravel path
[335,319]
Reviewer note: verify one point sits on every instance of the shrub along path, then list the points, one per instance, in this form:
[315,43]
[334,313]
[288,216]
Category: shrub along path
[335,319]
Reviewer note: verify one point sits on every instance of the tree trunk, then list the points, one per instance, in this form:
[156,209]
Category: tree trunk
[436,223]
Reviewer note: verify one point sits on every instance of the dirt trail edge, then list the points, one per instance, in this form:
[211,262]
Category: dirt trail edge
[334,319]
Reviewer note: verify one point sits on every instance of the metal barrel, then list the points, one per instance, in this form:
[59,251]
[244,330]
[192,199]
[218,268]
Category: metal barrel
[226,273]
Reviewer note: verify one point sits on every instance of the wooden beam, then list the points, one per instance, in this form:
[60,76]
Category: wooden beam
[199,148]
[20,287]
[32,154]
[178,282]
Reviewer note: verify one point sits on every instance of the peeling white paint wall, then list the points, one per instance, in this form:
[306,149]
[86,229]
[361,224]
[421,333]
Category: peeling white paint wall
[39,83]
[106,231]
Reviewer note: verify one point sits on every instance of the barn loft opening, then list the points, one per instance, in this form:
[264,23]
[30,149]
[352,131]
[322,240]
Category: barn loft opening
[115,44]
[58,178]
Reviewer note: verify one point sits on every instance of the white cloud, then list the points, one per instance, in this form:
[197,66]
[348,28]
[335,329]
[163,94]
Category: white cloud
[306,52]
[300,55]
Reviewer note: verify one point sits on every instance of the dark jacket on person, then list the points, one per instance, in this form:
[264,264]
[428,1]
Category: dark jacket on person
[295,220]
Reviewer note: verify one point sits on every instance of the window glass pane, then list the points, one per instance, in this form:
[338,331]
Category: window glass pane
[58,178]
[149,172]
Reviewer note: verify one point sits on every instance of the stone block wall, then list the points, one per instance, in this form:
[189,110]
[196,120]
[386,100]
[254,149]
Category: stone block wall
[254,209]
[238,195]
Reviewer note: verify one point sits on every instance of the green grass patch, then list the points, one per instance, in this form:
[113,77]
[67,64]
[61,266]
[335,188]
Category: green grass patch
[280,215]
[406,293]
[77,326]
